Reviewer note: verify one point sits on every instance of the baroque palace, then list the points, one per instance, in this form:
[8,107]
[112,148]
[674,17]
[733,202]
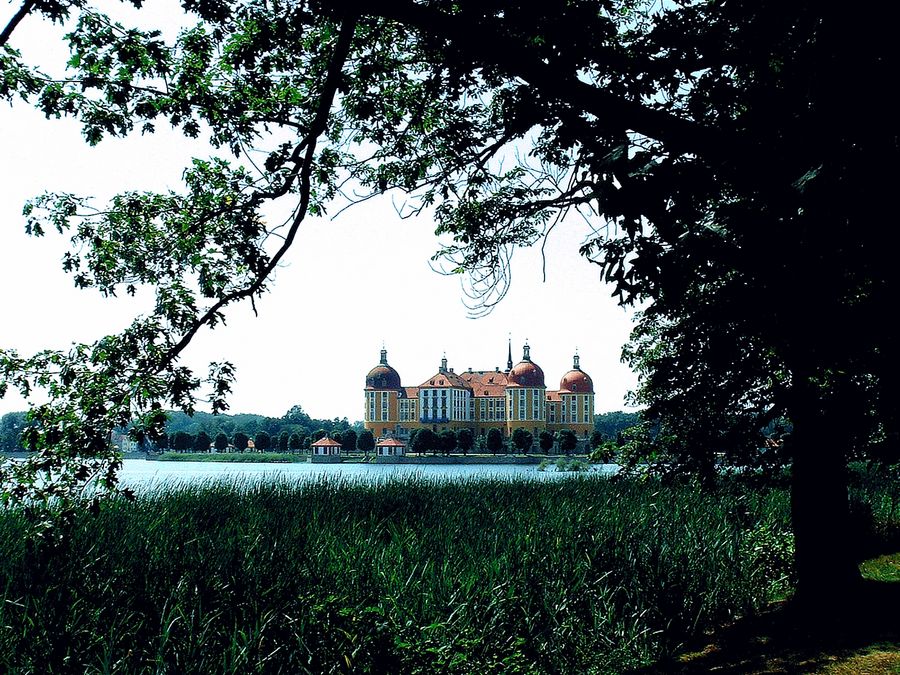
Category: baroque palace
[480,400]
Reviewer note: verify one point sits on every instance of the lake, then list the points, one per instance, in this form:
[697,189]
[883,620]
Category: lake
[140,473]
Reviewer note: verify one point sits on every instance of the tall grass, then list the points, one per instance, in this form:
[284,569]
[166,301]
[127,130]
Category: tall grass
[577,575]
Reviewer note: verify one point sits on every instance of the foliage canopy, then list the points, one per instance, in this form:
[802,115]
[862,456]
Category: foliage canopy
[731,157]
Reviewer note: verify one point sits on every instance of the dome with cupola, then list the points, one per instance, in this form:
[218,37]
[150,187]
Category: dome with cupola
[526,373]
[383,376]
[576,381]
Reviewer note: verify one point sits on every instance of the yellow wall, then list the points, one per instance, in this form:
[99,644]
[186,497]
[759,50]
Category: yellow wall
[380,422]
[582,427]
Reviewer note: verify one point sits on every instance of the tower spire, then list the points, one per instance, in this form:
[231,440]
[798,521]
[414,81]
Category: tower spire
[383,355]
[509,356]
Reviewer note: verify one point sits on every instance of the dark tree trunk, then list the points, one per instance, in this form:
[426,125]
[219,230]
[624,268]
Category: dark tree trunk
[828,577]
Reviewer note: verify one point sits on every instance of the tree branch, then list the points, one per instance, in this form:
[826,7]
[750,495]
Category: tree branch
[485,42]
[24,10]
[318,126]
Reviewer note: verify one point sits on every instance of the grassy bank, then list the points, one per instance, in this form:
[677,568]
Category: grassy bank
[277,457]
[414,576]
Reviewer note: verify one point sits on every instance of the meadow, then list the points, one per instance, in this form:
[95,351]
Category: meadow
[584,574]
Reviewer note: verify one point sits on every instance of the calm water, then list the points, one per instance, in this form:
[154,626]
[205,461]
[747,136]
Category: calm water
[141,473]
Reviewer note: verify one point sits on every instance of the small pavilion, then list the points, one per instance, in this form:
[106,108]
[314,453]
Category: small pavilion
[390,447]
[325,450]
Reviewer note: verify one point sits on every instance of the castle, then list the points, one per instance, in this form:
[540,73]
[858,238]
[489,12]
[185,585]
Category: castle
[480,400]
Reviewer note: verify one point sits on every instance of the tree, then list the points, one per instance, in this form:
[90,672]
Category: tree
[465,440]
[612,423]
[545,441]
[295,443]
[221,442]
[494,441]
[318,435]
[284,441]
[448,441]
[262,441]
[567,441]
[366,442]
[240,441]
[11,427]
[596,439]
[424,441]
[348,440]
[202,442]
[296,415]
[182,441]
[695,131]
[522,440]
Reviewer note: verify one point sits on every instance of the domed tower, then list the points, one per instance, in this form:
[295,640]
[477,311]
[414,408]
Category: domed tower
[383,376]
[383,391]
[576,395]
[526,395]
[576,381]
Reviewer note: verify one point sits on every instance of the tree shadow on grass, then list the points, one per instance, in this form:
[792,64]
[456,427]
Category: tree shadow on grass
[864,637]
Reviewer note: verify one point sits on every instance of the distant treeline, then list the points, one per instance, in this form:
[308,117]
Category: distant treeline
[611,424]
[193,433]
[294,421]
[240,426]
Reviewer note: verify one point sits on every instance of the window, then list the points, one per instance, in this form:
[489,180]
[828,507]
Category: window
[384,406]
[521,395]
[371,396]
[535,404]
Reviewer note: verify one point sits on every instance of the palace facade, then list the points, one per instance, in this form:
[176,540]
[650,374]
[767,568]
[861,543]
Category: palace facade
[479,400]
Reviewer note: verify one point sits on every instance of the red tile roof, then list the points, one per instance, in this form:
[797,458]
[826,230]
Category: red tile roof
[390,442]
[485,382]
[526,374]
[382,376]
[577,381]
[325,442]
[445,379]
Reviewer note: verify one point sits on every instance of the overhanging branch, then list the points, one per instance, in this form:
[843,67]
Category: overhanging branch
[26,7]
[485,42]
[303,171]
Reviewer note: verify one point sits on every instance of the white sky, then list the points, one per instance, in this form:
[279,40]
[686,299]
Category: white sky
[322,325]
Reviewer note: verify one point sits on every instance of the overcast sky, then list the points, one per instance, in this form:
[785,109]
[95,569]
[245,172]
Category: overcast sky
[322,325]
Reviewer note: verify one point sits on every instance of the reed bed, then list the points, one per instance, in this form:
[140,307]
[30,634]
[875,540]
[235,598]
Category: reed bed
[584,574]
